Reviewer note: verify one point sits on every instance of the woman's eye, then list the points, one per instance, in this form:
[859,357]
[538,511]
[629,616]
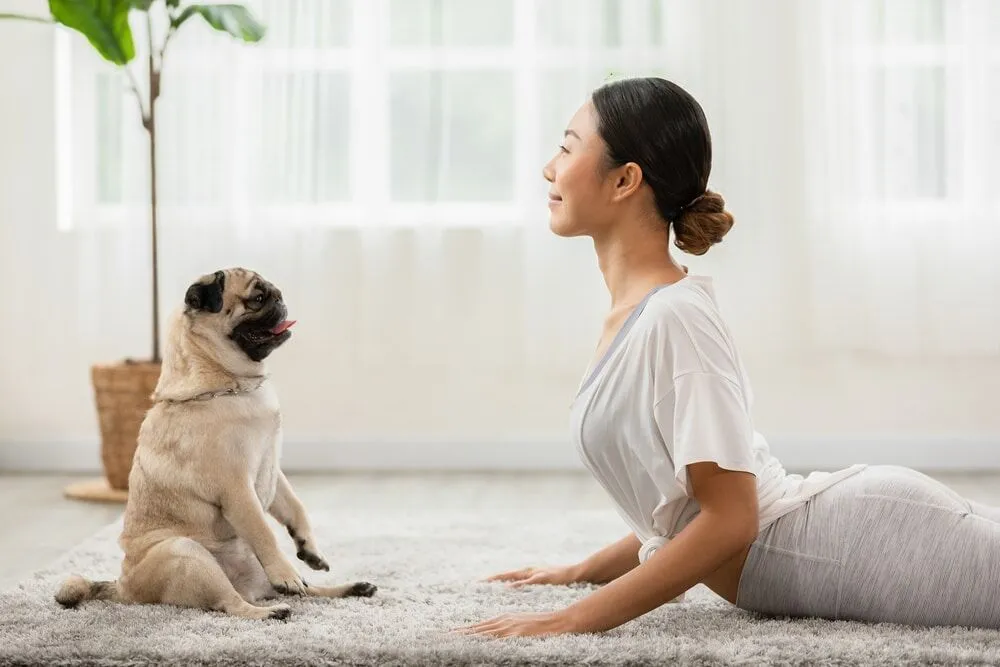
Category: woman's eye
[563,149]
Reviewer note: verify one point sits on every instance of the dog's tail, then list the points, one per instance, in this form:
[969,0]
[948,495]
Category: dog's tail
[76,589]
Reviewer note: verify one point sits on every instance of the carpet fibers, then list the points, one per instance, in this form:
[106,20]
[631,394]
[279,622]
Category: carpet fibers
[428,567]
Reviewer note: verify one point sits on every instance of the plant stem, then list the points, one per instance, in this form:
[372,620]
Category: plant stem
[19,17]
[154,92]
[163,47]
[138,95]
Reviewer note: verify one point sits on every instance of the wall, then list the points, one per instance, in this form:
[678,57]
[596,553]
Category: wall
[819,409]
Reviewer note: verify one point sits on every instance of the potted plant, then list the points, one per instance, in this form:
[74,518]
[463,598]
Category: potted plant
[122,390]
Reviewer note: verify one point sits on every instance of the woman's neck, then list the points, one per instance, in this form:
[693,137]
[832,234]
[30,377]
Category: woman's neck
[633,260]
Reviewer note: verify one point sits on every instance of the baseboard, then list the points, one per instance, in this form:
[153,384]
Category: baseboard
[798,454]
[305,456]
[930,453]
[326,456]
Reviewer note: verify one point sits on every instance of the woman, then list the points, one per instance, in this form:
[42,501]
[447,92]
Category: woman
[663,421]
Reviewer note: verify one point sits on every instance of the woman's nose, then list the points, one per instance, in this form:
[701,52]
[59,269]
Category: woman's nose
[547,172]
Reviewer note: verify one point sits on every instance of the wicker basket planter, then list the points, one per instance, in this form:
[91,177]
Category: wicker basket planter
[122,392]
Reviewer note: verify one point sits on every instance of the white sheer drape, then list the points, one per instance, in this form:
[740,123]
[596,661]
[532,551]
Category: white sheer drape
[380,161]
[902,101]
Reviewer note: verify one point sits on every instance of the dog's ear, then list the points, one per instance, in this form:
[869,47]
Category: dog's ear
[206,296]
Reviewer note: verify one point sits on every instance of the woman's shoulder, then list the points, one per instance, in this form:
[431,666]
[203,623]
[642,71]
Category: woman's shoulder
[684,329]
[690,302]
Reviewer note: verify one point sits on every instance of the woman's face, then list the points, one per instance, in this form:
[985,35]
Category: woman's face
[580,197]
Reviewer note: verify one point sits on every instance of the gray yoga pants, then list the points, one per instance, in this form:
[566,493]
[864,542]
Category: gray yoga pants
[887,544]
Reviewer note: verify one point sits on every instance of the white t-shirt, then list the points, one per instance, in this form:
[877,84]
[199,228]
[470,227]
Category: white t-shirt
[670,391]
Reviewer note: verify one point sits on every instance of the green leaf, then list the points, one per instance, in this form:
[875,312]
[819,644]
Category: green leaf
[174,4]
[234,19]
[142,5]
[103,22]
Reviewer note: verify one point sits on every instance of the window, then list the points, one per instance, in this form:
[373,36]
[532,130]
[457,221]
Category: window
[923,111]
[901,124]
[352,111]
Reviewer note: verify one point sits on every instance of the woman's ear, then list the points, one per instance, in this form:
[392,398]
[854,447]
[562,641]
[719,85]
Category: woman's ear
[628,179]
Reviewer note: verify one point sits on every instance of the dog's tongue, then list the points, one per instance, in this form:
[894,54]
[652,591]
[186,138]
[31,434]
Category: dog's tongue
[282,327]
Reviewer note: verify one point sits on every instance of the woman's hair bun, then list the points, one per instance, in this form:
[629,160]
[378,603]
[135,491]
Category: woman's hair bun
[702,224]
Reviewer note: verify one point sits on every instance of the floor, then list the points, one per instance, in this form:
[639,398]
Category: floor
[40,523]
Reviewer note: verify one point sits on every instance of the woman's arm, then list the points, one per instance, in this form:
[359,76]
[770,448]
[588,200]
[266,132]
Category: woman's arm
[605,565]
[726,524]
[610,562]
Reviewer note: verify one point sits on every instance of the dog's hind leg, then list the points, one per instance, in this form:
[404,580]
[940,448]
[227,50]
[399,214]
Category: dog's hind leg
[179,571]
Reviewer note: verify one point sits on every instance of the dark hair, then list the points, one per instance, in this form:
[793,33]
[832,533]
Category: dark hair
[662,128]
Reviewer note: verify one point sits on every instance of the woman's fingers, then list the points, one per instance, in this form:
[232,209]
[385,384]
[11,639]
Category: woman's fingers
[537,578]
[483,626]
[498,629]
[514,575]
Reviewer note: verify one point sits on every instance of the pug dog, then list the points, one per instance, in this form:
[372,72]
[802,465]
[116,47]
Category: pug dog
[206,468]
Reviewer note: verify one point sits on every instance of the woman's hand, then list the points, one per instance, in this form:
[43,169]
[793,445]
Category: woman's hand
[557,576]
[522,625]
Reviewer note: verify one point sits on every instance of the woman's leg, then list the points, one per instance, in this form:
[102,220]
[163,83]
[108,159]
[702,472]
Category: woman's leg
[887,545]
[920,555]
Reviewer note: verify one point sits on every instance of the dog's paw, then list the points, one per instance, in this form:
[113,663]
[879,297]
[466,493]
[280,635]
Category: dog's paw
[308,552]
[279,612]
[312,558]
[285,580]
[362,589]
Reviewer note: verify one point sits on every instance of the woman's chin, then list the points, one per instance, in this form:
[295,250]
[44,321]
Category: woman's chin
[560,227]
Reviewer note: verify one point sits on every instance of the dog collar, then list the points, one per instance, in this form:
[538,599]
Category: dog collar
[209,395]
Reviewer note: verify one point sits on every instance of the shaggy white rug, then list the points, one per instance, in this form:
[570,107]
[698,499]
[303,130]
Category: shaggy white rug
[428,567]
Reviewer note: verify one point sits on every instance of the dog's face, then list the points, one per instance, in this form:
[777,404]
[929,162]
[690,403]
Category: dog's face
[240,305]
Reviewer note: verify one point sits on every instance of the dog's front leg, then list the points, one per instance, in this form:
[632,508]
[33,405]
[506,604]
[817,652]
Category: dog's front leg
[242,509]
[291,513]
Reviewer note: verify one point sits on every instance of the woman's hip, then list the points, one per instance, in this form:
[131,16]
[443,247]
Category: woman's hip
[889,544]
